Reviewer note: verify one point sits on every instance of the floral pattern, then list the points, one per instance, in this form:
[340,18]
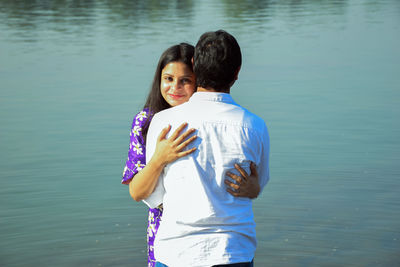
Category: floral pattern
[136,162]
[152,228]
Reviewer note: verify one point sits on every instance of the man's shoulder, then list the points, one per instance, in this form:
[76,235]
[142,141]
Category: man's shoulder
[251,119]
[169,111]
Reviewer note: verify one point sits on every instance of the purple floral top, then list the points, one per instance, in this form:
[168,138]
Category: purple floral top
[135,162]
[137,147]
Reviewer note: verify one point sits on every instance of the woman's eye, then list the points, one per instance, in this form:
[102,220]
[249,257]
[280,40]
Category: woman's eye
[185,81]
[168,79]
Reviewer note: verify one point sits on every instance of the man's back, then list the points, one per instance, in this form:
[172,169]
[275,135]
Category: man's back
[203,224]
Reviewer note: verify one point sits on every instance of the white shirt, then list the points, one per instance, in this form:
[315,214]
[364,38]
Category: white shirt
[202,224]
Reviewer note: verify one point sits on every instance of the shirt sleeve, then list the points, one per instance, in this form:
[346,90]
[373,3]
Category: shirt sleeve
[263,165]
[137,147]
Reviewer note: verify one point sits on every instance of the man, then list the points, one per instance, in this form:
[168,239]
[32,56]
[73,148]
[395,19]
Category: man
[202,224]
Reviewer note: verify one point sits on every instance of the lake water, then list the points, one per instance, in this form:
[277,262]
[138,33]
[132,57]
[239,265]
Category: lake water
[324,75]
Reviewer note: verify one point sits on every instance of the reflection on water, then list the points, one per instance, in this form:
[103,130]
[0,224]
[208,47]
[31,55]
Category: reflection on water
[125,18]
[323,74]
[82,17]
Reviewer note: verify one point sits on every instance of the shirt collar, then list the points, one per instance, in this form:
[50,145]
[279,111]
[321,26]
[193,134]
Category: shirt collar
[212,96]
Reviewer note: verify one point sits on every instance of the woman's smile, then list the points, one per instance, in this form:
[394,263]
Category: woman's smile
[177,83]
[176,96]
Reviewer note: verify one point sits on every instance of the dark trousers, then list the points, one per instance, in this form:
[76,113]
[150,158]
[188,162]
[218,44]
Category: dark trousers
[242,264]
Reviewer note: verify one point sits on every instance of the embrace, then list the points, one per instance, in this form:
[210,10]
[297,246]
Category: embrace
[198,159]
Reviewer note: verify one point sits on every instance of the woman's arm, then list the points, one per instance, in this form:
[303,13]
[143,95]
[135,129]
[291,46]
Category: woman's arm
[167,151]
[245,185]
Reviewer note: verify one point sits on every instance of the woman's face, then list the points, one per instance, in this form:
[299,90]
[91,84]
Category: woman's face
[177,83]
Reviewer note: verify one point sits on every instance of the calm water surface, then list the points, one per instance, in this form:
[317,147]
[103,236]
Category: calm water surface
[324,75]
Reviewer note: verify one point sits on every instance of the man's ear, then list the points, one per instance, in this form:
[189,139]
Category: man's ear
[237,73]
[192,61]
[236,77]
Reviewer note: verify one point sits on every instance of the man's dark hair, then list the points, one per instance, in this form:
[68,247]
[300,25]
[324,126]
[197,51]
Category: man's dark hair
[217,59]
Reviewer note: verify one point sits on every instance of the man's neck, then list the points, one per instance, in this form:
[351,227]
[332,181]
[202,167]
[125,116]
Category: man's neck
[209,89]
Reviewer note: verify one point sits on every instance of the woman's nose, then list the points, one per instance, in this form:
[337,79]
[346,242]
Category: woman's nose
[176,85]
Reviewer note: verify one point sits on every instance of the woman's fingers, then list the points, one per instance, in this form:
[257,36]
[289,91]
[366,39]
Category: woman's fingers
[178,131]
[164,133]
[243,185]
[181,146]
[184,144]
[231,185]
[241,171]
[253,169]
[233,193]
[186,152]
[235,177]
[180,139]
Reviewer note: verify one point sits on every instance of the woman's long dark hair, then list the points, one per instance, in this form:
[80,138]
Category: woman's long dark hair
[155,102]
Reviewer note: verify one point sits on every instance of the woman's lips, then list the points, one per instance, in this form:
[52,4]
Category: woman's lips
[176,96]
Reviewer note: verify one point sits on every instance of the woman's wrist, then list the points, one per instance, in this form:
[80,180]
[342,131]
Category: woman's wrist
[157,163]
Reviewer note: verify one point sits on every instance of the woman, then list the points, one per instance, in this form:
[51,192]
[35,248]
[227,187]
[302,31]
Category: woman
[173,84]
